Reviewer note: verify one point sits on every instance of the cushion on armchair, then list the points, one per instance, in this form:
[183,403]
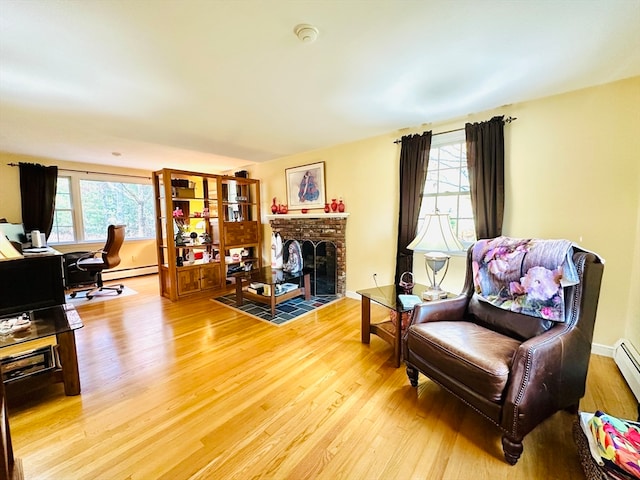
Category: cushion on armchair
[479,355]
[516,325]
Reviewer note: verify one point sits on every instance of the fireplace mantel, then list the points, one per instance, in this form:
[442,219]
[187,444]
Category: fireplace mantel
[314,215]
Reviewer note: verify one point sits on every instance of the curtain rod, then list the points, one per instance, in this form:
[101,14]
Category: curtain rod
[506,120]
[89,171]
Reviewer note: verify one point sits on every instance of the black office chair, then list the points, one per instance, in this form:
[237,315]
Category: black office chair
[93,265]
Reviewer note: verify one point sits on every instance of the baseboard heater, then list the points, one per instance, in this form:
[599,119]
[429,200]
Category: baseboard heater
[626,357]
[129,272]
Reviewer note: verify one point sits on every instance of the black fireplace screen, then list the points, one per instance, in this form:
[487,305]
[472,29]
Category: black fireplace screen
[319,259]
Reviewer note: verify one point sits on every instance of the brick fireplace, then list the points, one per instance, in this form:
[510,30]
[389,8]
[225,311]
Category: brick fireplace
[323,234]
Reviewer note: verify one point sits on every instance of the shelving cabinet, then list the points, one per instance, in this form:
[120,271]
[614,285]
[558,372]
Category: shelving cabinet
[207,227]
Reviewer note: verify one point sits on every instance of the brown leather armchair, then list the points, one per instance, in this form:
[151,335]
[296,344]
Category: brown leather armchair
[515,371]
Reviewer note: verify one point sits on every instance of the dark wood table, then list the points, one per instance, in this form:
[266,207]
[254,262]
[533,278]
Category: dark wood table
[387,296]
[60,321]
[272,277]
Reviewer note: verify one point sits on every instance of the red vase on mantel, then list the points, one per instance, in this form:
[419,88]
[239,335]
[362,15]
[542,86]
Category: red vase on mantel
[341,206]
[334,205]
[327,209]
[274,207]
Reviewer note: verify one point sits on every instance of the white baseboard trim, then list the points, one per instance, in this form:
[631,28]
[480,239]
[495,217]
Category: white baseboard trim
[603,350]
[129,272]
[627,359]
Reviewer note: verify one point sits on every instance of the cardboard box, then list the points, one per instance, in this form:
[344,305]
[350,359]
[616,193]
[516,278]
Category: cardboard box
[181,192]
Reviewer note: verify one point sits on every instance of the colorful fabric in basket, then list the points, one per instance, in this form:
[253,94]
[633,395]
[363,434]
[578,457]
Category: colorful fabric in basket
[524,275]
[613,442]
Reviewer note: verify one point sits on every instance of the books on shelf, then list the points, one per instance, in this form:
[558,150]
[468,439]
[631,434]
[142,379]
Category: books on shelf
[285,288]
[256,288]
[265,289]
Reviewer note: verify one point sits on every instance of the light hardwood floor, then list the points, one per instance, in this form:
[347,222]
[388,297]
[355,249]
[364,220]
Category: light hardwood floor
[193,390]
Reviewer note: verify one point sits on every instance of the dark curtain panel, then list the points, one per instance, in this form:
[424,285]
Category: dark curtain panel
[38,186]
[414,158]
[485,160]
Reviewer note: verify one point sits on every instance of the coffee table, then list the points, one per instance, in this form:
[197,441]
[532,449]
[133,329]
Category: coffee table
[271,278]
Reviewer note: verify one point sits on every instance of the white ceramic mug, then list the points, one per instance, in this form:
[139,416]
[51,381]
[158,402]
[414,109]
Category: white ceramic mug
[36,241]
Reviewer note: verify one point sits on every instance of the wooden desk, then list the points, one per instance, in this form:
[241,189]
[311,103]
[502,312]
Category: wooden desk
[60,321]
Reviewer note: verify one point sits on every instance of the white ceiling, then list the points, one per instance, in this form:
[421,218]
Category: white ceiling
[215,85]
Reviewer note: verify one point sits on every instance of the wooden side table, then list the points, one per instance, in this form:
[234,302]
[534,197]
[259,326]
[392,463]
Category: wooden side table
[387,296]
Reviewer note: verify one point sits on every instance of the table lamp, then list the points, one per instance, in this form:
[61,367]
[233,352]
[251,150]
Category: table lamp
[435,238]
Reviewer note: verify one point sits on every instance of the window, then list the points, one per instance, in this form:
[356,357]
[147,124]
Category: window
[85,207]
[105,203]
[447,186]
[63,228]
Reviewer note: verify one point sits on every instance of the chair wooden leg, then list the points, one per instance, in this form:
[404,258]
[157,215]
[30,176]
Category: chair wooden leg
[512,449]
[412,373]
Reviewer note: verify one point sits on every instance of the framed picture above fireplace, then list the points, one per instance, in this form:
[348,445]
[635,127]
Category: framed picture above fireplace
[305,186]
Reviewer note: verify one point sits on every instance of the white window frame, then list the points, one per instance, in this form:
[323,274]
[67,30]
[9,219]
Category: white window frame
[449,138]
[71,210]
[76,201]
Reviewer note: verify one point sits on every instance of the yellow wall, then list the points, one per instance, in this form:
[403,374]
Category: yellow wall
[133,254]
[633,312]
[364,174]
[572,171]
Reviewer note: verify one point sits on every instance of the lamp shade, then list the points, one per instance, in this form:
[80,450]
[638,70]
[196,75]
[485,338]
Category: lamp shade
[436,235]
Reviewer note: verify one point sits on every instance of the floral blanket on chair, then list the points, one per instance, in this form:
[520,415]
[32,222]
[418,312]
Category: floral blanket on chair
[524,275]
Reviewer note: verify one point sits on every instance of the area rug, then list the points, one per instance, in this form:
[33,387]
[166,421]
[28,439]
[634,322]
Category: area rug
[81,299]
[285,311]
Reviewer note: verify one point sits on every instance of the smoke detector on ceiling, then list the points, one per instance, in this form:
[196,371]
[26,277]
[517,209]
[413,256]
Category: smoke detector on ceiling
[306,33]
